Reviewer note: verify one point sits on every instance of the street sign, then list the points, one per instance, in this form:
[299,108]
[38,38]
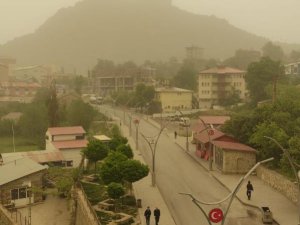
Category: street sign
[211,132]
[216,215]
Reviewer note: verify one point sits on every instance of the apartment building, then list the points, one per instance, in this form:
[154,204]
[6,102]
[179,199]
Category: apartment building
[215,84]
[173,98]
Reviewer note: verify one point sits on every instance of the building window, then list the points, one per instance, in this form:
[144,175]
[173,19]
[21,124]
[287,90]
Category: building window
[79,137]
[18,193]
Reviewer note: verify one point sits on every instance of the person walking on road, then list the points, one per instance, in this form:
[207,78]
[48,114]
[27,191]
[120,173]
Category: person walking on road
[175,134]
[156,215]
[147,215]
[249,190]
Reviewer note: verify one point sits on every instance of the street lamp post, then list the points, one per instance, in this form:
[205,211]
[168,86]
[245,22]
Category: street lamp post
[293,165]
[230,196]
[152,142]
[136,122]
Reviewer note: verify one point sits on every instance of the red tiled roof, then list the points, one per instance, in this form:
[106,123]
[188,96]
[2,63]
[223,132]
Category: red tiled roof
[222,70]
[233,146]
[214,119]
[204,138]
[60,145]
[66,130]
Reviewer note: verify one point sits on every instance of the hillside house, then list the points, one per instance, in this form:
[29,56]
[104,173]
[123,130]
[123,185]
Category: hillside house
[15,185]
[69,141]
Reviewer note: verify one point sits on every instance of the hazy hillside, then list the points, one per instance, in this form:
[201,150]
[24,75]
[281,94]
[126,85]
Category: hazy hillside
[124,30]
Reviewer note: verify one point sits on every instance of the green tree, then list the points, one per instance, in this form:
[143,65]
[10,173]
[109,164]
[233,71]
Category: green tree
[34,123]
[243,58]
[266,147]
[259,75]
[273,51]
[134,170]
[232,98]
[80,113]
[115,190]
[116,141]
[126,150]
[186,78]
[294,56]
[112,167]
[52,105]
[78,83]
[95,151]
[294,150]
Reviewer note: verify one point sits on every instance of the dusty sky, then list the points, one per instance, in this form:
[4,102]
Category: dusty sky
[278,20]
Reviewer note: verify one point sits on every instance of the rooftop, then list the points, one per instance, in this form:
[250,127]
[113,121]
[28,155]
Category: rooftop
[172,89]
[74,144]
[204,137]
[234,146]
[214,119]
[103,138]
[43,156]
[66,130]
[19,168]
[222,70]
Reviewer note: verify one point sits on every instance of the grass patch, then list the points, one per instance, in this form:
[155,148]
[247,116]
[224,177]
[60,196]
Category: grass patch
[21,145]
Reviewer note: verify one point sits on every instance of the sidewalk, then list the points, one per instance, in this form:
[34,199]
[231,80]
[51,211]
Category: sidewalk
[284,211]
[143,190]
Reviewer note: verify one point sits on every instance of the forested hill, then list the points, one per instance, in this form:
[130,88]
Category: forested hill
[123,30]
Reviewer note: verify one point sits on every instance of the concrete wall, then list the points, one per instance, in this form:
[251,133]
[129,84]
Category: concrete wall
[278,182]
[72,155]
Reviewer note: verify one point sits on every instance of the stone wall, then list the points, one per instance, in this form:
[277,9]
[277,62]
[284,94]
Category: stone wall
[85,214]
[279,183]
[5,217]
[238,161]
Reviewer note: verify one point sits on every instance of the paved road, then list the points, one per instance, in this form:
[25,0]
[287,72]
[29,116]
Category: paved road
[176,172]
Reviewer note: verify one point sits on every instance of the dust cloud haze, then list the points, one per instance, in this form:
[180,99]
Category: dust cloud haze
[274,19]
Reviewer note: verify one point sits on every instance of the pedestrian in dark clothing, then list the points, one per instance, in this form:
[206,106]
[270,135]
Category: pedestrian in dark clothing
[156,215]
[147,215]
[249,190]
[175,134]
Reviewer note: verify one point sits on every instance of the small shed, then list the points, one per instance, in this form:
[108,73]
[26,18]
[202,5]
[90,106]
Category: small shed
[18,178]
[233,157]
[102,138]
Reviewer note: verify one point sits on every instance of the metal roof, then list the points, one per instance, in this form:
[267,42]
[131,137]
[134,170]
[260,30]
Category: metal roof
[61,145]
[103,138]
[42,156]
[18,168]
[66,130]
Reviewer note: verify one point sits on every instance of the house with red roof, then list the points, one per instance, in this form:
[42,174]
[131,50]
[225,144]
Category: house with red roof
[233,157]
[69,141]
[215,84]
[228,155]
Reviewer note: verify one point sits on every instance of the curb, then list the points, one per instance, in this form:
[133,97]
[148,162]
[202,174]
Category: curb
[224,185]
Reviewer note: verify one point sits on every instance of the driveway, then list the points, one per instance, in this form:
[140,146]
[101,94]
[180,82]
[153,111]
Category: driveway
[53,211]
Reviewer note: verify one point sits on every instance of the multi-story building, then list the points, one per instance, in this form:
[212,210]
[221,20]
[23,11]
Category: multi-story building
[103,81]
[292,69]
[173,98]
[215,84]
